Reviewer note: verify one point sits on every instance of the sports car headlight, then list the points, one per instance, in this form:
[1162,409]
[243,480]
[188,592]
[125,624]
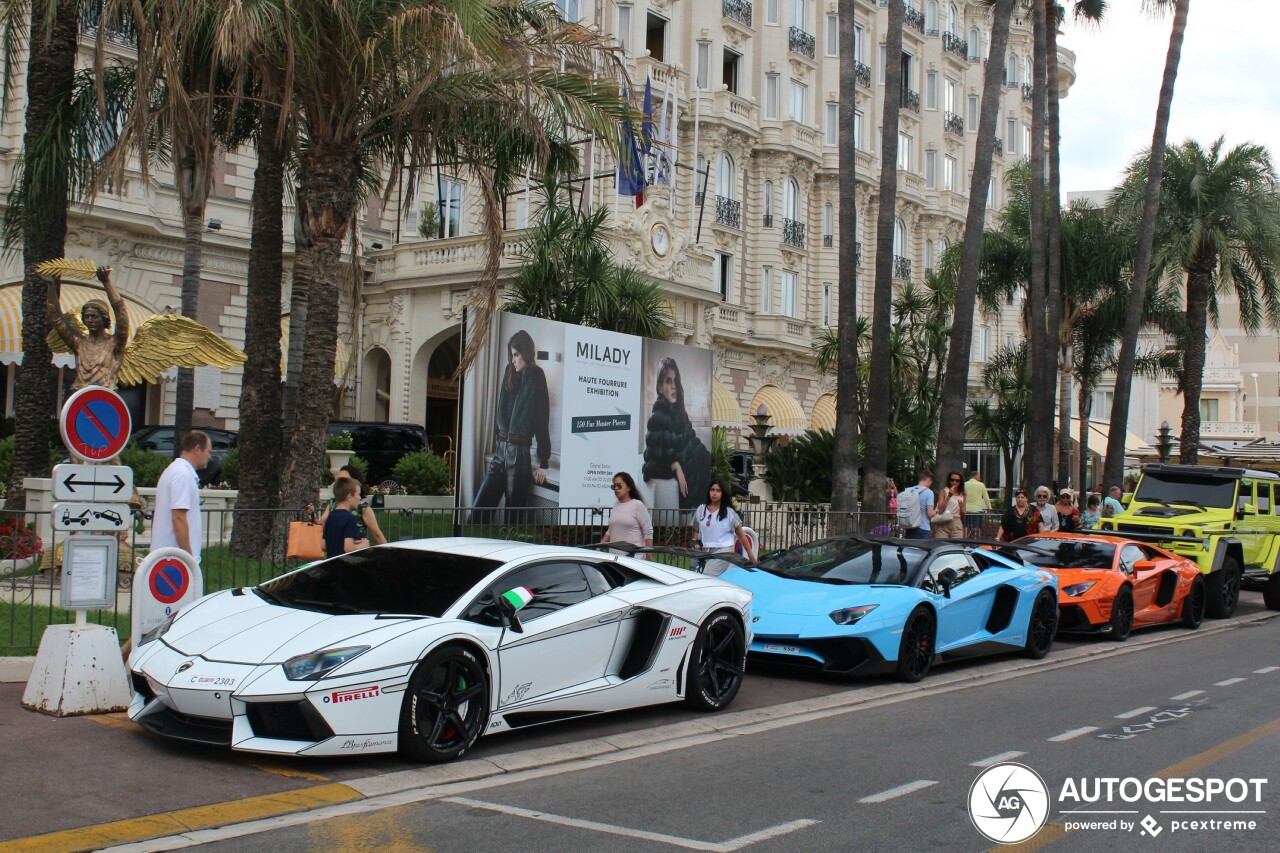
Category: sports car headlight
[316,665]
[849,615]
[158,631]
[1078,588]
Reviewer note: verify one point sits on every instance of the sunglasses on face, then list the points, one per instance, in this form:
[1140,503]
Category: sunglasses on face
[953,482]
[617,486]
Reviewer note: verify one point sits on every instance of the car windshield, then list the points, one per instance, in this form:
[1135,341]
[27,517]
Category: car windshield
[847,561]
[1052,553]
[380,580]
[1172,489]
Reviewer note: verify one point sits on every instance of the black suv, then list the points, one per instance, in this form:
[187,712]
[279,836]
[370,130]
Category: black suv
[381,445]
[164,440]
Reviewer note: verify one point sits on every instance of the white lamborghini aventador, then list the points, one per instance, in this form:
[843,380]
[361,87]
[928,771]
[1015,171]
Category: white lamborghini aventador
[423,646]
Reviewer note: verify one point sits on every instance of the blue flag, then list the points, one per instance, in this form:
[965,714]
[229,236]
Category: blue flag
[631,179]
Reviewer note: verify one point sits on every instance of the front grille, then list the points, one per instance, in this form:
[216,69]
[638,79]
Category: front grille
[838,654]
[1071,619]
[141,687]
[287,721]
[170,723]
[1145,528]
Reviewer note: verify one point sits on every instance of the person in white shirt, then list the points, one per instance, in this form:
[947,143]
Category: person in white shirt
[176,522]
[716,527]
[1048,513]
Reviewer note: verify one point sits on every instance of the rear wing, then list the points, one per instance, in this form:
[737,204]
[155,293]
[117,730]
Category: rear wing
[1142,536]
[696,556]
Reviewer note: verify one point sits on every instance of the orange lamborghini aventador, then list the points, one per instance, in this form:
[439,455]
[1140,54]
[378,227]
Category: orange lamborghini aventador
[1113,584]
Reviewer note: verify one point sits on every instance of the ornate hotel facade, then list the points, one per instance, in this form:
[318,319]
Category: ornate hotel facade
[744,244]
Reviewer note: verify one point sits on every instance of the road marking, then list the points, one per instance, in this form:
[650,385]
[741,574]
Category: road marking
[1214,754]
[1183,696]
[1228,682]
[116,721]
[996,759]
[1073,734]
[1265,670]
[900,791]
[641,834]
[1051,832]
[280,769]
[1136,712]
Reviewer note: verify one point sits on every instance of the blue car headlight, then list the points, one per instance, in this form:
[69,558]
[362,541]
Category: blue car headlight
[1078,588]
[316,665]
[850,615]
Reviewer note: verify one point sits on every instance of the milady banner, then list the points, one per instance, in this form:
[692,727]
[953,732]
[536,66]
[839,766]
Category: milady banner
[552,411]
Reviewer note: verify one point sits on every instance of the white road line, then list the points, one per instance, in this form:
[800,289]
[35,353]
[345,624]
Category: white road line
[1228,682]
[644,835]
[996,759]
[1265,670]
[1073,734]
[1136,712]
[1188,695]
[900,791]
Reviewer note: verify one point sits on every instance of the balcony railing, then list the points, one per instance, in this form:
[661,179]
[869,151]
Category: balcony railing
[793,233]
[802,43]
[737,10]
[698,197]
[912,17]
[857,254]
[1010,82]
[862,73]
[1026,91]
[118,32]
[766,221]
[952,43]
[728,212]
[953,123]
[1228,429]
[911,100]
[901,268]
[974,59]
[828,240]
[999,147]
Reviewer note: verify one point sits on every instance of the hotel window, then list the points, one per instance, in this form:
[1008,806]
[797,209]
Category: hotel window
[931,169]
[450,208]
[766,291]
[880,70]
[826,303]
[1011,70]
[905,159]
[857,130]
[1026,140]
[859,43]
[724,275]
[771,96]
[798,14]
[931,90]
[1011,135]
[828,224]
[831,129]
[799,92]
[928,255]
[973,113]
[729,69]
[1208,410]
[655,36]
[704,65]
[624,28]
[788,305]
[771,11]
[975,43]
[833,35]
[949,95]
[569,10]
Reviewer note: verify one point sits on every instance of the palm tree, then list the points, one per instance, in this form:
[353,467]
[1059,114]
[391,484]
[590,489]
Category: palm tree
[879,391]
[1114,468]
[1218,230]
[374,83]
[955,387]
[40,221]
[1053,225]
[1003,418]
[844,465]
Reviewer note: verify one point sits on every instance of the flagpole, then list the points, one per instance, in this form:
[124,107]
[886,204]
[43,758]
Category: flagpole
[697,119]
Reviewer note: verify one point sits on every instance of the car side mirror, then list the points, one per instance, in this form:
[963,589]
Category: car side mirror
[511,603]
[946,579]
[1126,499]
[1144,565]
[1249,509]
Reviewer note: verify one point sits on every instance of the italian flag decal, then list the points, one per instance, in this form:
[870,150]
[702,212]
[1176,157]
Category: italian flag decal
[518,597]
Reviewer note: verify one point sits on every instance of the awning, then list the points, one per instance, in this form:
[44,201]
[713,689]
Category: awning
[725,411]
[341,356]
[1100,434]
[824,413]
[787,416]
[73,297]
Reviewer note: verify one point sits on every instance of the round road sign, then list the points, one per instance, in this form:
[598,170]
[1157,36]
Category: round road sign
[95,424]
[169,580]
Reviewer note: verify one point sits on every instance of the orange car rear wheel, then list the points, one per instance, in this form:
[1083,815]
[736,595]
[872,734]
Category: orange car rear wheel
[1122,614]
[1193,605]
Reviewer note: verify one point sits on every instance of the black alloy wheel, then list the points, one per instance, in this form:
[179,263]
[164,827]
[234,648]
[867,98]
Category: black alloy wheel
[1193,605]
[1271,592]
[1223,587]
[445,707]
[916,650]
[1042,625]
[1122,614]
[719,661]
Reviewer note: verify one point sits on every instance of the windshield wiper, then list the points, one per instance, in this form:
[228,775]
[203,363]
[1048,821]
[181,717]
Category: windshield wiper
[269,597]
[336,605]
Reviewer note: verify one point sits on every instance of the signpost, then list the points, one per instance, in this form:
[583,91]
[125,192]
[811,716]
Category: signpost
[167,581]
[92,482]
[95,424]
[91,518]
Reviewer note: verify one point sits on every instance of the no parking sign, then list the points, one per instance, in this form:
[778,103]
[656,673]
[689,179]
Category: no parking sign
[167,581]
[95,423]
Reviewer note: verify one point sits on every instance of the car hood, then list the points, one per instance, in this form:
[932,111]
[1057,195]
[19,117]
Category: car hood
[242,628]
[792,597]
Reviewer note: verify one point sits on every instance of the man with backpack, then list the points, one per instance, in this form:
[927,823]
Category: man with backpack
[916,507]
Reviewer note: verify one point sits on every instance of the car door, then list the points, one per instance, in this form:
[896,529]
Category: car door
[1249,525]
[963,614]
[1145,582]
[568,632]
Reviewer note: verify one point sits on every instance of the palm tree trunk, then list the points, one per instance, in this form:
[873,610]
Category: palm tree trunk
[51,66]
[1199,282]
[299,294]
[1053,223]
[844,458]
[955,385]
[192,183]
[1086,411]
[1114,469]
[1044,375]
[880,386]
[260,393]
[324,214]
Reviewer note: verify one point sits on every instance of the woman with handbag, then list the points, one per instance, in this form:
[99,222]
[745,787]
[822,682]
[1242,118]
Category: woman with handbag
[948,523]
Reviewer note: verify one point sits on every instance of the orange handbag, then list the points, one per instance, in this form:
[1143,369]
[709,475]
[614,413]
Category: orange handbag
[306,541]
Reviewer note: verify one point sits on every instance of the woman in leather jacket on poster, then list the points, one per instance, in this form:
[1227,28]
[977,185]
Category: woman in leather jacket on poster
[676,464]
[523,429]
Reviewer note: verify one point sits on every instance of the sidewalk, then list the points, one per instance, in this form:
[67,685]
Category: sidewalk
[15,669]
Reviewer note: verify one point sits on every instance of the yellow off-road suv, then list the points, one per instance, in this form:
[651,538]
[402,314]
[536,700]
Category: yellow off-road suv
[1225,519]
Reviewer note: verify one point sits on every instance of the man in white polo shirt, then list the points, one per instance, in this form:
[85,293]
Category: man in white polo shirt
[176,523]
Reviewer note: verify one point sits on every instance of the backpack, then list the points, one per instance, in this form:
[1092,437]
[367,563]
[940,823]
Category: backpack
[909,515]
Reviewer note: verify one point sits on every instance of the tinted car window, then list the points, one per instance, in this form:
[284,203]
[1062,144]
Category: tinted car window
[381,580]
[847,561]
[1175,488]
[959,563]
[555,586]
[1051,553]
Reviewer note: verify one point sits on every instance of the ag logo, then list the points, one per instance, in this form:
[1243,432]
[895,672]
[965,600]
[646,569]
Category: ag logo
[1008,803]
[186,666]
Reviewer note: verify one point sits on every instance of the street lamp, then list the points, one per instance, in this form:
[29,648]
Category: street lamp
[761,441]
[1164,443]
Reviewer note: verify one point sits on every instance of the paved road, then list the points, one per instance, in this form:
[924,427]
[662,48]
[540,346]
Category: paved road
[893,774]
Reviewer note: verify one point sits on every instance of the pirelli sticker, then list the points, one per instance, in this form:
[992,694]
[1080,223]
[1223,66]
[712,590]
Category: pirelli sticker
[352,694]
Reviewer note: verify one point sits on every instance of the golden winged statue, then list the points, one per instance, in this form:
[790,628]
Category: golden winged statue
[110,360]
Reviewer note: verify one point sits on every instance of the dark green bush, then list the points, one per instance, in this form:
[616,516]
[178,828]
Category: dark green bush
[423,473]
[147,465]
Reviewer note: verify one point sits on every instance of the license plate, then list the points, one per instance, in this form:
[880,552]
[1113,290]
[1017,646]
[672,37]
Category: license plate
[787,650]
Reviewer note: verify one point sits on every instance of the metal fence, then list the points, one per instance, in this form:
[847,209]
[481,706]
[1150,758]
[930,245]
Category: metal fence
[30,551]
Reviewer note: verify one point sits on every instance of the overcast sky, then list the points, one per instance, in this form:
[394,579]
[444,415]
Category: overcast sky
[1226,85]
